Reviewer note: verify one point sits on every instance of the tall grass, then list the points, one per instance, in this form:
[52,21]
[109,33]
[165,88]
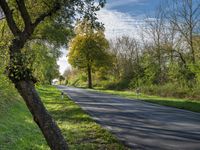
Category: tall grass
[172,90]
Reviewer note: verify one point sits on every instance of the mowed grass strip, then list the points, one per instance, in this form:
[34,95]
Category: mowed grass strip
[191,105]
[17,129]
[80,131]
[19,132]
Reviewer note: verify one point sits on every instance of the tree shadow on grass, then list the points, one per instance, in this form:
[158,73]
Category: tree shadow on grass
[70,114]
[66,110]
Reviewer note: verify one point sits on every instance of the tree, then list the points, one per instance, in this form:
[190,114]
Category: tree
[61,78]
[158,31]
[88,49]
[126,51]
[24,22]
[42,61]
[185,16]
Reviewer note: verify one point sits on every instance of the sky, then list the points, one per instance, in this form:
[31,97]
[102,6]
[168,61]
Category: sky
[120,17]
[124,17]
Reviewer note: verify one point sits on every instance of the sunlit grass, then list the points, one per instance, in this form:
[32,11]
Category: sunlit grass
[79,129]
[192,105]
[19,132]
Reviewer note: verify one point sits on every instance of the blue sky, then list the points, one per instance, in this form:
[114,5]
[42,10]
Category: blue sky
[133,7]
[125,17]
[121,17]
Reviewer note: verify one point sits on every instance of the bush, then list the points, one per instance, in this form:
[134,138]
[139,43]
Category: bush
[121,85]
[171,90]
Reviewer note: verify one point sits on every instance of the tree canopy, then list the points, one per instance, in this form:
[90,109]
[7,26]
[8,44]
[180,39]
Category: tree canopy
[88,49]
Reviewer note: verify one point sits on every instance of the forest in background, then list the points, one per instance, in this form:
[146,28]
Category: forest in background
[163,61]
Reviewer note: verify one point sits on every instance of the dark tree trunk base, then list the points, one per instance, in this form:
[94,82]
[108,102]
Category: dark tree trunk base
[43,119]
[89,71]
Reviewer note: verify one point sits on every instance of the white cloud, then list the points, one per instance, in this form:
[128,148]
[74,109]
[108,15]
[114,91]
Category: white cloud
[119,24]
[62,62]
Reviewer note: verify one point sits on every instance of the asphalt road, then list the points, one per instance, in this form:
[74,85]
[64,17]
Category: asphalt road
[140,125]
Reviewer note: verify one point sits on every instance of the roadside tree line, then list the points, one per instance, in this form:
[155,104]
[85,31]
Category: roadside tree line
[164,60]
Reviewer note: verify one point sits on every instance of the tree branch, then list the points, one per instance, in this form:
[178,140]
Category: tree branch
[9,18]
[24,13]
[181,57]
[53,10]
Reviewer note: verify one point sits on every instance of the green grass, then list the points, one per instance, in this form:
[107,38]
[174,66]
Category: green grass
[19,132]
[17,129]
[80,130]
[192,105]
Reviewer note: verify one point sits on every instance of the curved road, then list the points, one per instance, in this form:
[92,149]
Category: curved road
[140,125]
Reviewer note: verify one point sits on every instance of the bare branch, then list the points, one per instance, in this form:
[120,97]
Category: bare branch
[9,18]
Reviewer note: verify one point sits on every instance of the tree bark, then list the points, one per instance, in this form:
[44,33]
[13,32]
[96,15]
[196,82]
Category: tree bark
[25,86]
[43,119]
[26,89]
[89,70]
[22,77]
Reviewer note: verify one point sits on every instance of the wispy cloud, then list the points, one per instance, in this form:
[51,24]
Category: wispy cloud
[119,24]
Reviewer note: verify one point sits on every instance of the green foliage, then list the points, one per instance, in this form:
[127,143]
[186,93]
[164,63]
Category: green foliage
[150,67]
[117,85]
[167,90]
[166,60]
[19,68]
[76,78]
[54,33]
[88,49]
[8,93]
[42,61]
[138,67]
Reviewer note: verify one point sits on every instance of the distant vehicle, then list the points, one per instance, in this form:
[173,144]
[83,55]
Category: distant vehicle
[55,82]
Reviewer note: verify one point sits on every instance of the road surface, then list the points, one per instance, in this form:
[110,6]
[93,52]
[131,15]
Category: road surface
[140,125]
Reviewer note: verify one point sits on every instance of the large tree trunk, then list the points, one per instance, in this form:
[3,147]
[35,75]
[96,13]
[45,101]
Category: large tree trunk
[89,70]
[25,86]
[43,119]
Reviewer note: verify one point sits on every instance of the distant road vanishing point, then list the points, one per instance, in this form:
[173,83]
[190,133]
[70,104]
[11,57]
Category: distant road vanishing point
[140,125]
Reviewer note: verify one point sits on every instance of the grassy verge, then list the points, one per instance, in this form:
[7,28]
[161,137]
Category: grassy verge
[17,129]
[19,132]
[192,105]
[80,130]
